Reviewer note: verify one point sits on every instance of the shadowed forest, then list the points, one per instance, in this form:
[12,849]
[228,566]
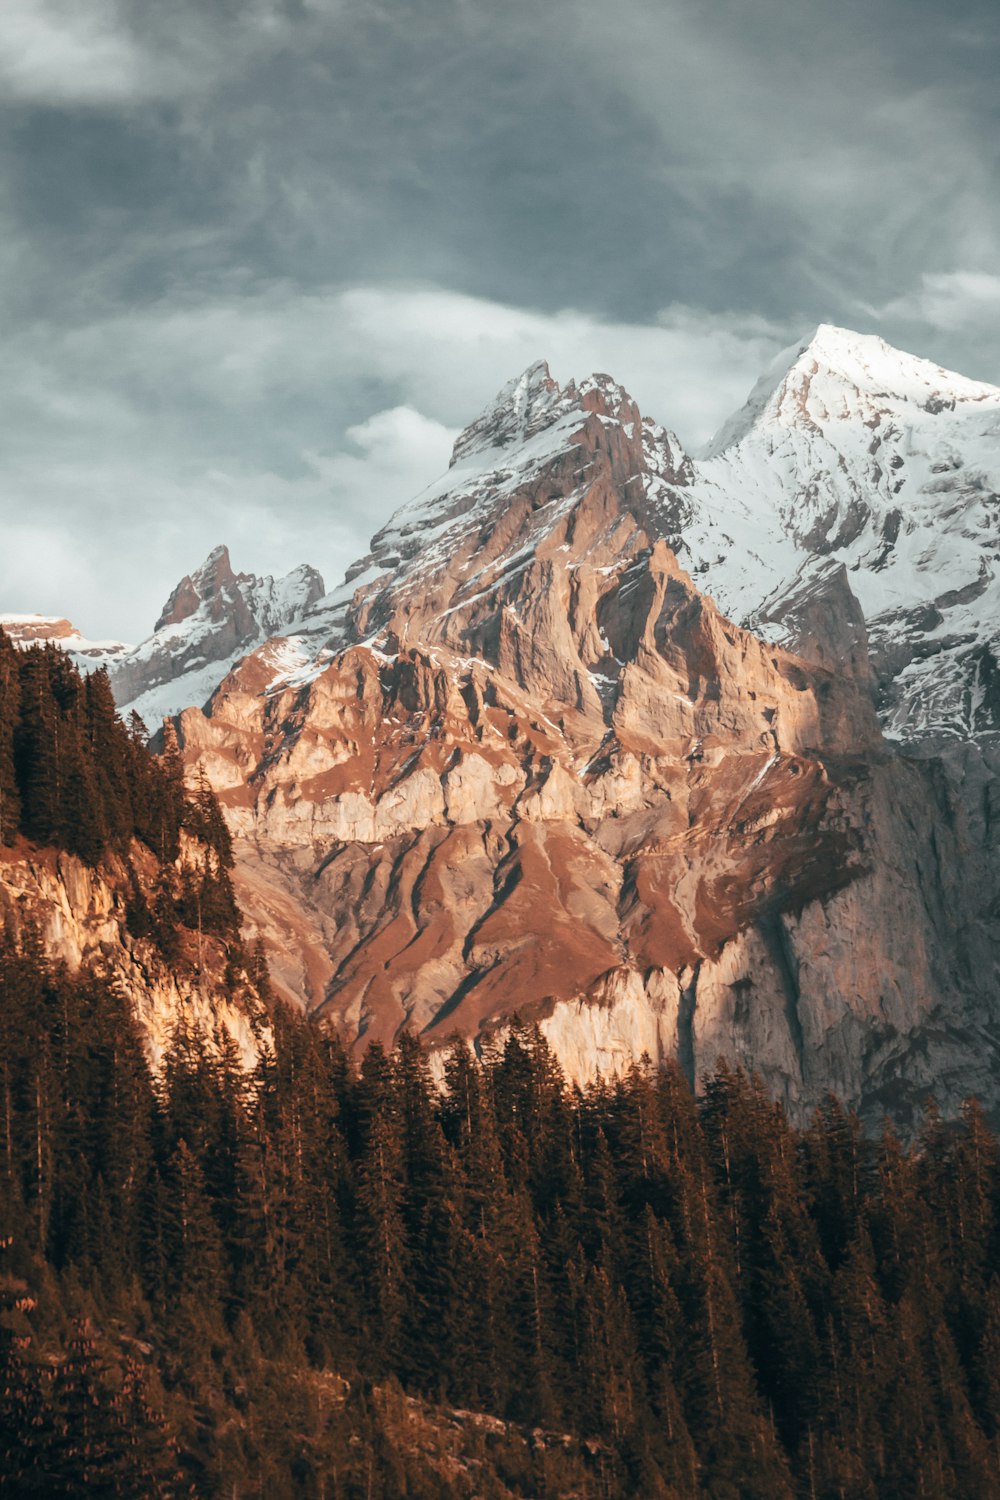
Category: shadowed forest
[282,1284]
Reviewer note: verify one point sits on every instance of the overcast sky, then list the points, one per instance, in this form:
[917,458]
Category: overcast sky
[260,259]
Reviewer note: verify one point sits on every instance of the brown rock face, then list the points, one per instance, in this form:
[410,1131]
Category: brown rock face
[555,779]
[215,584]
[31,628]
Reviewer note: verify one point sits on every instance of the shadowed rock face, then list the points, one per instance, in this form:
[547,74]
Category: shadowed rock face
[530,766]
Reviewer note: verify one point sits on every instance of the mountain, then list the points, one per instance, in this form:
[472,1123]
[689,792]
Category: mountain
[686,755]
[853,463]
[848,511]
[53,629]
[520,761]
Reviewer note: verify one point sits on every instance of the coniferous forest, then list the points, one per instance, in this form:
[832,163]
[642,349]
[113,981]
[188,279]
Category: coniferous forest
[74,777]
[324,1281]
[330,1279]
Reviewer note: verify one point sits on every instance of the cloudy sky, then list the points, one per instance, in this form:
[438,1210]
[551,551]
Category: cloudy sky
[259,259]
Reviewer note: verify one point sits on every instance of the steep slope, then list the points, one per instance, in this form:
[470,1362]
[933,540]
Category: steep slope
[850,455]
[110,864]
[521,762]
[81,916]
[212,618]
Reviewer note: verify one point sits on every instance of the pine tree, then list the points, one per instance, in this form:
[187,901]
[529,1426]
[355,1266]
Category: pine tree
[38,751]
[109,754]
[22,1413]
[381,1229]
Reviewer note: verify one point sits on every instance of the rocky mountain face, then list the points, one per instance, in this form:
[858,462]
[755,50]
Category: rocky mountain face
[80,916]
[212,618]
[683,755]
[522,762]
[853,463]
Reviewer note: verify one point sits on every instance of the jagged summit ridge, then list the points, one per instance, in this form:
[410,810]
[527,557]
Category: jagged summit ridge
[850,461]
[854,471]
[515,414]
[530,403]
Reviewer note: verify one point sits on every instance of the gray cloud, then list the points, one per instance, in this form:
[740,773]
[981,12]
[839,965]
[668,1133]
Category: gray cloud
[289,423]
[260,258]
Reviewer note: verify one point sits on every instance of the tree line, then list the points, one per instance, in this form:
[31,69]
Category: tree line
[73,776]
[208,1277]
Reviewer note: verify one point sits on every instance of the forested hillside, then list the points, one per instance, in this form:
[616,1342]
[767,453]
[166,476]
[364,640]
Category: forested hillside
[309,1281]
[74,777]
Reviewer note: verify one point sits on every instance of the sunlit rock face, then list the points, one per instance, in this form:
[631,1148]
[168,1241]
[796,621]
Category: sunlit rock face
[520,762]
[79,916]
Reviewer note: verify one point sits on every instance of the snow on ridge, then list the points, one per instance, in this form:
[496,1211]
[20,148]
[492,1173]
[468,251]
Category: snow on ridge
[514,414]
[56,630]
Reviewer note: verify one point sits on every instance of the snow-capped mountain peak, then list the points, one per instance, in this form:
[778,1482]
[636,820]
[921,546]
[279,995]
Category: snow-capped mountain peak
[211,618]
[851,451]
[519,410]
[836,375]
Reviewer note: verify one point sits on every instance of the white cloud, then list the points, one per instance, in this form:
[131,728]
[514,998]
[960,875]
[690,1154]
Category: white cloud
[399,450]
[73,51]
[399,435]
[98,53]
[689,369]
